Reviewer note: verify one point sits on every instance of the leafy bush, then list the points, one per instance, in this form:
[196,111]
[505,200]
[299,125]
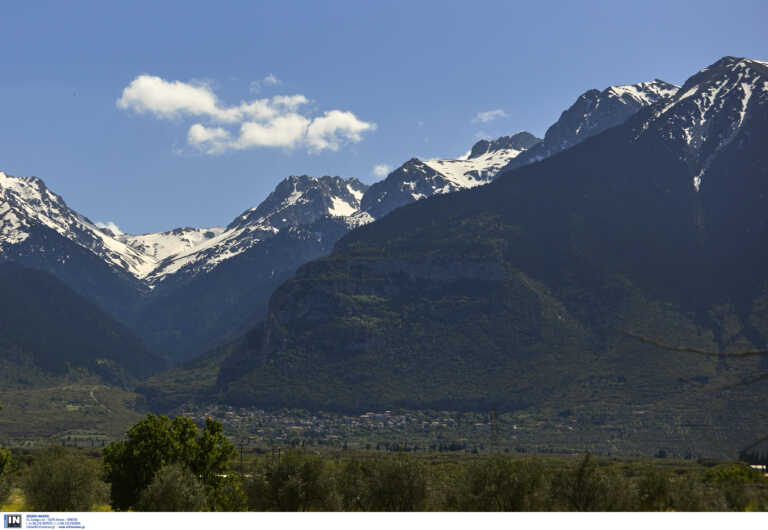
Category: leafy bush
[5,474]
[690,494]
[586,488]
[228,495]
[654,492]
[60,481]
[392,484]
[297,482]
[731,481]
[174,489]
[500,485]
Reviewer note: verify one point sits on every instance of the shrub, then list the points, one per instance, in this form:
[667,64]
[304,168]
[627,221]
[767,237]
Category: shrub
[690,494]
[501,485]
[174,489]
[391,484]
[296,483]
[228,495]
[731,481]
[586,488]
[60,481]
[654,491]
[5,475]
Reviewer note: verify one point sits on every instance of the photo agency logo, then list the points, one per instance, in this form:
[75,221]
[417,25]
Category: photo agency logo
[12,520]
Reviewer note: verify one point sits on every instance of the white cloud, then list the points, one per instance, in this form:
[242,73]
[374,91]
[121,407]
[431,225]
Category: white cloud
[381,170]
[271,80]
[489,115]
[112,227]
[152,94]
[328,131]
[208,139]
[289,102]
[266,122]
[288,131]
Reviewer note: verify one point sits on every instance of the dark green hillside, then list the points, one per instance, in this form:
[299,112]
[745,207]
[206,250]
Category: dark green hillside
[47,330]
[515,295]
[78,268]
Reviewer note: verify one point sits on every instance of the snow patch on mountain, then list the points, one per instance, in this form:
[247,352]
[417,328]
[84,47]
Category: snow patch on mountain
[708,112]
[296,201]
[592,113]
[472,172]
[26,203]
[341,208]
[415,180]
[644,93]
[163,244]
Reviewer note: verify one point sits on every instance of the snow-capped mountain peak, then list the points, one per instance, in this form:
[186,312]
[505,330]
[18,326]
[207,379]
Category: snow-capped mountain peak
[646,93]
[709,110]
[593,112]
[296,201]
[416,180]
[302,199]
[484,160]
[27,204]
[518,142]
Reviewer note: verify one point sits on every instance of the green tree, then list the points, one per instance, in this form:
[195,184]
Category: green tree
[61,481]
[174,489]
[396,484]
[5,474]
[157,441]
[654,491]
[690,494]
[500,485]
[297,482]
[229,495]
[731,480]
[586,488]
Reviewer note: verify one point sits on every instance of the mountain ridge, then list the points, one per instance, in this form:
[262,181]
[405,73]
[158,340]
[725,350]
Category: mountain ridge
[174,290]
[513,295]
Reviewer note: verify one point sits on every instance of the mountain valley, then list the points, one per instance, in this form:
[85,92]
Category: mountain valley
[506,279]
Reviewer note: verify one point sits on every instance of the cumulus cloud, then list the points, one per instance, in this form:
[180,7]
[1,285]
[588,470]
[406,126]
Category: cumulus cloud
[381,170]
[164,99]
[329,130]
[265,122]
[489,115]
[283,131]
[210,139]
[112,227]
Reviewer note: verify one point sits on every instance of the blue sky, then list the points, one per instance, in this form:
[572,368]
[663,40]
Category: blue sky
[405,79]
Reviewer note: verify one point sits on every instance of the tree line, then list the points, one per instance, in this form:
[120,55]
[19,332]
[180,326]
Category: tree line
[171,465]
